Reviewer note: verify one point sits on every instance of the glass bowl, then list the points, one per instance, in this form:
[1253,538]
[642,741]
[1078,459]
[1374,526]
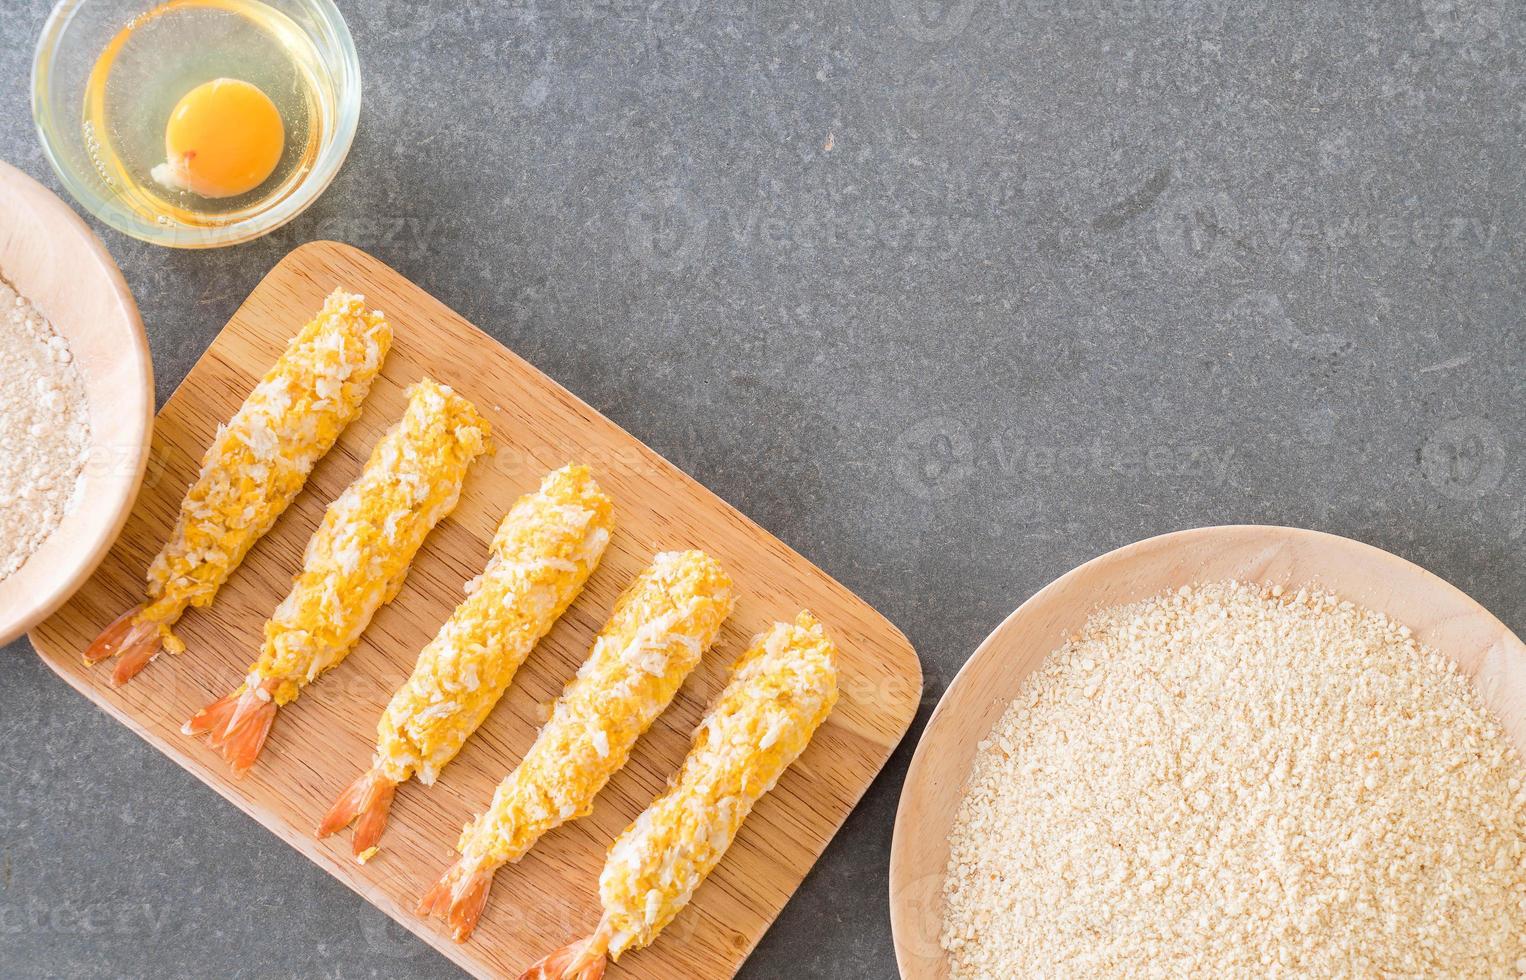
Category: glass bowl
[73,39]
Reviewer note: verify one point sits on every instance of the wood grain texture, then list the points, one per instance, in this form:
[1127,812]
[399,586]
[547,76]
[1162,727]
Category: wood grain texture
[325,739]
[1441,616]
[55,260]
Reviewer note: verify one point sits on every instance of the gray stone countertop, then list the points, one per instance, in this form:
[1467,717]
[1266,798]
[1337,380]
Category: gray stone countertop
[950,297]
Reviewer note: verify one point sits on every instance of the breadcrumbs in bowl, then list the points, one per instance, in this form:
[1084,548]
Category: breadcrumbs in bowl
[97,393]
[1237,780]
[1255,733]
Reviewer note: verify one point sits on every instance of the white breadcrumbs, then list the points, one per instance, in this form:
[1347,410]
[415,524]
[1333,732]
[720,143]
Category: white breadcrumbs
[44,429]
[1230,781]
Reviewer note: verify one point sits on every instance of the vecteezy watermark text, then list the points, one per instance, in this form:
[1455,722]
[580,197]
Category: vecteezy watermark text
[40,919]
[667,229]
[940,457]
[934,21]
[1201,228]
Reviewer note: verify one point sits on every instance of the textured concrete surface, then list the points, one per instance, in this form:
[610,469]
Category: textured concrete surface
[949,297]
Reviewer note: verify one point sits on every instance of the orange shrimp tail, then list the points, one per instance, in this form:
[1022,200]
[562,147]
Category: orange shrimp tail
[572,962]
[138,643]
[111,637]
[236,726]
[369,798]
[141,646]
[459,896]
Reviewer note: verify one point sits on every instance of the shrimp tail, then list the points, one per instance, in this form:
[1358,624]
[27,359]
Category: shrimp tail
[141,645]
[368,798]
[236,726]
[582,960]
[459,896]
[106,644]
[137,642]
[213,718]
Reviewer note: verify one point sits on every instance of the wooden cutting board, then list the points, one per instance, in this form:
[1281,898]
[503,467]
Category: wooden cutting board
[324,740]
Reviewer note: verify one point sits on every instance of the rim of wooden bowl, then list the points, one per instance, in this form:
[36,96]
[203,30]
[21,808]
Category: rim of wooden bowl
[1441,616]
[53,259]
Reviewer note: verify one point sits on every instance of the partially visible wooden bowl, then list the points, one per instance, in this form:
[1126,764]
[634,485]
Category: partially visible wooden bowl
[53,259]
[1441,615]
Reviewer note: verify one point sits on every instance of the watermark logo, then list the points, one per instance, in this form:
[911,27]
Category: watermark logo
[661,16]
[1463,21]
[923,941]
[410,235]
[1201,229]
[934,458]
[1197,228]
[671,16]
[1172,12]
[938,209]
[665,230]
[931,21]
[36,918]
[939,457]
[1464,458]
[405,21]
[384,934]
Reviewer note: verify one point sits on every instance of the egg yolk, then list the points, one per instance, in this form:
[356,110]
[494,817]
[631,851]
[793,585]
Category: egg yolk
[224,138]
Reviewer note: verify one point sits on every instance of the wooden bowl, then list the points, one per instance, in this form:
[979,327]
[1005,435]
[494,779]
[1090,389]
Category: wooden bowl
[1440,614]
[55,261]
